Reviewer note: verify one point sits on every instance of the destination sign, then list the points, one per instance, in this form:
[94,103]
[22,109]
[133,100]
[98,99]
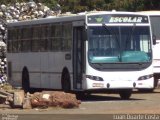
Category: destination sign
[95,19]
[125,20]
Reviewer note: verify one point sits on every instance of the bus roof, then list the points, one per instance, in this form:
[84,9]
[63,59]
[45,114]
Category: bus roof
[50,19]
[67,18]
[151,13]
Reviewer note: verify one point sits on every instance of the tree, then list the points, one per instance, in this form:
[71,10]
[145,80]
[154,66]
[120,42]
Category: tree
[75,6]
[49,3]
[151,4]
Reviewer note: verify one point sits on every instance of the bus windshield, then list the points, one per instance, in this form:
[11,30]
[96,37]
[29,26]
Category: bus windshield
[119,44]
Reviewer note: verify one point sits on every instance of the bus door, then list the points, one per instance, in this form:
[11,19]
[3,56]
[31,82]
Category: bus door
[78,54]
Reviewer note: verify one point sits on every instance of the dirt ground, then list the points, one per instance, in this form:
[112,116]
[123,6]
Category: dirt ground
[140,103]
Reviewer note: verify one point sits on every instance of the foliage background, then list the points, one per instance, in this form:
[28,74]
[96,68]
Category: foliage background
[75,6]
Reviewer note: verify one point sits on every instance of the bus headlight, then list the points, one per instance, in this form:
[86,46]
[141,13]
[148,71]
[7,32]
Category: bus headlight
[96,78]
[145,77]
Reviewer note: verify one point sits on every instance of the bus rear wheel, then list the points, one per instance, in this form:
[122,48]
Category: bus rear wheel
[25,80]
[65,81]
[125,94]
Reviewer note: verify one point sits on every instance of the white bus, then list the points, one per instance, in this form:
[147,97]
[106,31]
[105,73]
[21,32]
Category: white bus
[155,25]
[110,51]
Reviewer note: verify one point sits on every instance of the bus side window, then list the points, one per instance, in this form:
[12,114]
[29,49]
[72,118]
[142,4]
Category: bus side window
[56,37]
[44,37]
[36,38]
[67,36]
[14,40]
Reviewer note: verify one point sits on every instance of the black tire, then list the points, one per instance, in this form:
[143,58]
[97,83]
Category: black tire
[156,79]
[25,80]
[155,82]
[82,94]
[65,81]
[125,94]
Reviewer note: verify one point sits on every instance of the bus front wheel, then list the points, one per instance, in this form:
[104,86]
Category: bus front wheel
[125,94]
[25,80]
[65,81]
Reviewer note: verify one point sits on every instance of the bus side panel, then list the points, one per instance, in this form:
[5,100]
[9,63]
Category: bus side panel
[33,66]
[15,71]
[45,80]
[56,63]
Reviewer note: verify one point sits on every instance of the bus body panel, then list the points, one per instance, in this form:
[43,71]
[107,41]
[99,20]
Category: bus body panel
[119,80]
[56,70]
[46,67]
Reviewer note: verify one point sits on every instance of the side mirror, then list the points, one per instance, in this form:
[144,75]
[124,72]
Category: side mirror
[154,39]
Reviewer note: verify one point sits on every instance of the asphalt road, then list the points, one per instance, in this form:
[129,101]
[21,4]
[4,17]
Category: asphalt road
[96,106]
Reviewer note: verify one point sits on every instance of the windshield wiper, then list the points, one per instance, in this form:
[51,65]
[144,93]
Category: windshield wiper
[130,35]
[111,32]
